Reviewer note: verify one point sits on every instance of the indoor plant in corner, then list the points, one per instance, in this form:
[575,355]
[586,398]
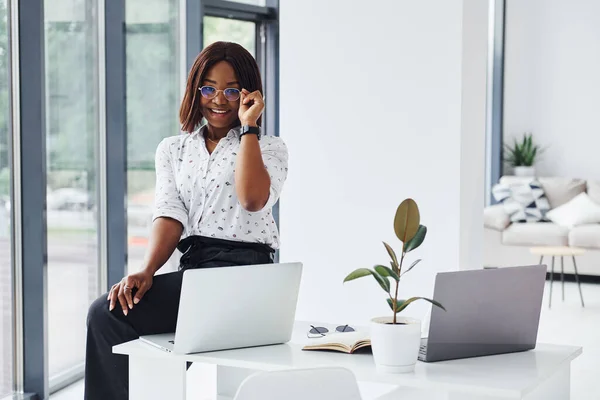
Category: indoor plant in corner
[395,340]
[522,155]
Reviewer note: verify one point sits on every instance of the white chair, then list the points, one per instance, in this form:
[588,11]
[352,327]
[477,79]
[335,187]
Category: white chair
[300,384]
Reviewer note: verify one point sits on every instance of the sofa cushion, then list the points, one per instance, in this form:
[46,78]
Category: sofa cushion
[593,190]
[561,190]
[585,236]
[535,234]
[522,201]
[558,190]
[494,217]
[580,210]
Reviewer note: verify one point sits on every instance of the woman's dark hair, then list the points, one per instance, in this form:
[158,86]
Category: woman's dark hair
[242,62]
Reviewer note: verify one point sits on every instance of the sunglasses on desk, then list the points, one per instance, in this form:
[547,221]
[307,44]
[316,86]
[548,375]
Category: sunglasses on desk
[320,331]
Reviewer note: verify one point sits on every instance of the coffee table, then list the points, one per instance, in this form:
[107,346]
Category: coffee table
[560,251]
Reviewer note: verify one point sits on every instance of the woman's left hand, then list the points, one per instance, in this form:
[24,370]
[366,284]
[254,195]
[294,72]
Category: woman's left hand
[251,107]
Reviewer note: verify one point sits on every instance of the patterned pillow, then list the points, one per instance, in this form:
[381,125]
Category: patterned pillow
[523,202]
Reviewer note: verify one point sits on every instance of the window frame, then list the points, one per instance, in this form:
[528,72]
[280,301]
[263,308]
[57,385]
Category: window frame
[495,99]
[27,131]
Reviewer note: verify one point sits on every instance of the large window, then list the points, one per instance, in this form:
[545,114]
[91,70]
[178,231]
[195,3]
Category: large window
[6,304]
[71,146]
[155,73]
[230,30]
[153,96]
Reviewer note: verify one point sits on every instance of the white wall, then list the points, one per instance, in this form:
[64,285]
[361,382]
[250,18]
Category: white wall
[372,107]
[552,85]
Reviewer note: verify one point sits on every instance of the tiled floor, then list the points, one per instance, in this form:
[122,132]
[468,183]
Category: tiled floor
[569,323]
[565,323]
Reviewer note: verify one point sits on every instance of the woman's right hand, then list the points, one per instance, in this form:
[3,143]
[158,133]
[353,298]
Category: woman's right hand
[122,291]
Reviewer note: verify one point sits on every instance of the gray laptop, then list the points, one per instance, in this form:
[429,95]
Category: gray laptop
[489,311]
[233,307]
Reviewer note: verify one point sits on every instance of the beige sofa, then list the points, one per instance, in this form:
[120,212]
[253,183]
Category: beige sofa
[508,244]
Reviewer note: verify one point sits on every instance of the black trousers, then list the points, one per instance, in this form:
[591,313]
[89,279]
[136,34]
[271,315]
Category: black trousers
[107,374]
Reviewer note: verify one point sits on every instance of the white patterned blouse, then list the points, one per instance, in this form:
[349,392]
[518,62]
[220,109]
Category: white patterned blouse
[198,189]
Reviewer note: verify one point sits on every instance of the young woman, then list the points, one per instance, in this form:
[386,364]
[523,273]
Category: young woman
[215,187]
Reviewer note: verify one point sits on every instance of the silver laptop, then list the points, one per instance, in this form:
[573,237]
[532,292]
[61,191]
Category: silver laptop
[489,311]
[233,307]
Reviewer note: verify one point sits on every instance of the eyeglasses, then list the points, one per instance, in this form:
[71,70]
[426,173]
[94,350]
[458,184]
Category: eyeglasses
[210,92]
[320,331]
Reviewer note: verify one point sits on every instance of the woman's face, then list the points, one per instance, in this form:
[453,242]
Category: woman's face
[221,111]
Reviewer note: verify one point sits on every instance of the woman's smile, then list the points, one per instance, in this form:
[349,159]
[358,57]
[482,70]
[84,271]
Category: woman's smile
[219,113]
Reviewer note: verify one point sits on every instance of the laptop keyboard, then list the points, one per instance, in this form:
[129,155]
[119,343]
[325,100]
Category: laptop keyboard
[423,349]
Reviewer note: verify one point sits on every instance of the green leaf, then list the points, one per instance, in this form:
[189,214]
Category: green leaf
[398,304]
[531,157]
[417,240]
[383,282]
[392,254]
[413,299]
[361,272]
[412,266]
[406,221]
[391,304]
[386,271]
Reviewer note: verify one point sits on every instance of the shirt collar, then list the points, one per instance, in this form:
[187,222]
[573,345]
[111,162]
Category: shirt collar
[233,132]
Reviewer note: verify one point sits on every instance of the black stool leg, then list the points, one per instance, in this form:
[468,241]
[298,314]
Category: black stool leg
[578,283]
[551,280]
[562,276]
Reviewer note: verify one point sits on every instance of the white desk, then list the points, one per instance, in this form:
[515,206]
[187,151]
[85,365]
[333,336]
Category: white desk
[543,373]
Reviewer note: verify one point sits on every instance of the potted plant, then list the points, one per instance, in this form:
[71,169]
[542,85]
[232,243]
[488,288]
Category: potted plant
[395,340]
[522,155]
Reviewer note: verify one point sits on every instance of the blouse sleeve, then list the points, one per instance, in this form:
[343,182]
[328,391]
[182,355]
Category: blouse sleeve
[275,158]
[167,201]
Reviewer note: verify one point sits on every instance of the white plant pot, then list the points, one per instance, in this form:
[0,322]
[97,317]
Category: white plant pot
[395,347]
[524,171]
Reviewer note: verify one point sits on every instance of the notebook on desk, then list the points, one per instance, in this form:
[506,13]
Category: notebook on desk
[346,342]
